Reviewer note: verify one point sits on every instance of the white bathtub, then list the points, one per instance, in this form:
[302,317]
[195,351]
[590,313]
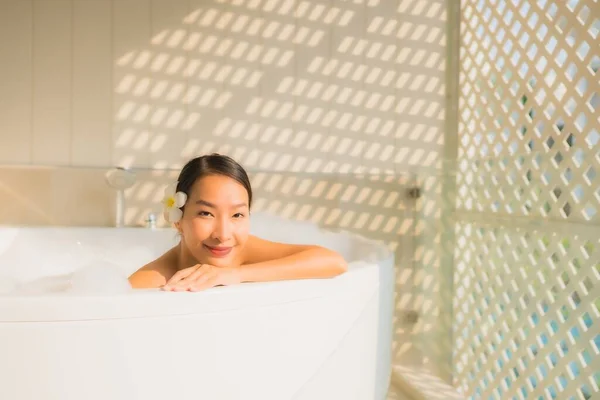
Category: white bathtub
[303,340]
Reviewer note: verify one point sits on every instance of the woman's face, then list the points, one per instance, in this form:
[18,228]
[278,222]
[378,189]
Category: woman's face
[216,221]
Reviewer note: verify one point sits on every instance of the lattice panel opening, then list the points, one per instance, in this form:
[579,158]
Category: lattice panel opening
[527,313]
[526,265]
[530,107]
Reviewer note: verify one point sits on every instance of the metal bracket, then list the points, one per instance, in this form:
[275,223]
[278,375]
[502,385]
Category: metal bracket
[414,192]
[410,317]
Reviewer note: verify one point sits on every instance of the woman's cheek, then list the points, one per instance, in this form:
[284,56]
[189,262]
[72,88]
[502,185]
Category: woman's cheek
[243,230]
[200,226]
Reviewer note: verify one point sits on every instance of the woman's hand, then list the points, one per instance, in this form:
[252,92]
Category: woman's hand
[200,277]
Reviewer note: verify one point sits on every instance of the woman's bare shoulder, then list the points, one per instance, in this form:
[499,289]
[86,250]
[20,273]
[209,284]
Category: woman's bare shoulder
[156,273]
[259,250]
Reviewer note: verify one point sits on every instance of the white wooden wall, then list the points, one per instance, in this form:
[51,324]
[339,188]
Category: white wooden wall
[320,85]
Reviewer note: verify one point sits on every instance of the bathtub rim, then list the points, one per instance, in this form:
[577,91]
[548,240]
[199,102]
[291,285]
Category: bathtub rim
[362,273]
[154,303]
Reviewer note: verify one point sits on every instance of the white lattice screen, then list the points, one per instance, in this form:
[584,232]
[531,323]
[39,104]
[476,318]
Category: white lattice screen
[527,259]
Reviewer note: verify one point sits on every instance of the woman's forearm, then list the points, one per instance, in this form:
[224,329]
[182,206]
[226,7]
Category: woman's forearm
[316,262]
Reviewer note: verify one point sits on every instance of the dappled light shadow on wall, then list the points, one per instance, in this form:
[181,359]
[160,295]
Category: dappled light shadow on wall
[327,103]
[287,85]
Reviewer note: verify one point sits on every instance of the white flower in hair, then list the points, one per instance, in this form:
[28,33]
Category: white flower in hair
[173,202]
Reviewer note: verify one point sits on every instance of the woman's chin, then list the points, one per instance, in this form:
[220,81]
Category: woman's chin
[227,261]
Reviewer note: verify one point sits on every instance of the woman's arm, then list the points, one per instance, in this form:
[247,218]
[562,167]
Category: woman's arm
[272,261]
[263,261]
[154,274]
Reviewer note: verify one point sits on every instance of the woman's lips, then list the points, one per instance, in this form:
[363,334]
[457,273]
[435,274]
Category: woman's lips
[218,251]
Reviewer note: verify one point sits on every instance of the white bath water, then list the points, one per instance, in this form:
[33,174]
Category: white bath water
[68,265]
[97,278]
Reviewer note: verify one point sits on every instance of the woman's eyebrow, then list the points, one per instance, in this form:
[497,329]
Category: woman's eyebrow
[211,205]
[205,203]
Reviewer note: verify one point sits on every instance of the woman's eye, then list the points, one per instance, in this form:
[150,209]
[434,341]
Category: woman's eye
[204,214]
[238,215]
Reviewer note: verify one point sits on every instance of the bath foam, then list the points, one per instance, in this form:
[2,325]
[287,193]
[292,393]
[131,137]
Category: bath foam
[49,260]
[82,272]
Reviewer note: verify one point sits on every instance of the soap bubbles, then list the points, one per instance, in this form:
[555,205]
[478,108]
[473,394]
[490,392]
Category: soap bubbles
[60,265]
[100,277]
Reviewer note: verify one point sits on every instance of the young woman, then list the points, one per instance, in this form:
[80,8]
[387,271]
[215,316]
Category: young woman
[210,207]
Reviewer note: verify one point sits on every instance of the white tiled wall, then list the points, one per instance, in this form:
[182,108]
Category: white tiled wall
[320,85]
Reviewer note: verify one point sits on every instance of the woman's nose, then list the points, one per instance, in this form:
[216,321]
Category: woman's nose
[222,230]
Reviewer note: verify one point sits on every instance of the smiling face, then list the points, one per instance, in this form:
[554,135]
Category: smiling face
[215,224]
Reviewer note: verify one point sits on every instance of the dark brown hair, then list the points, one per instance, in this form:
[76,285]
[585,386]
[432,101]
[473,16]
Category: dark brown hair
[212,164]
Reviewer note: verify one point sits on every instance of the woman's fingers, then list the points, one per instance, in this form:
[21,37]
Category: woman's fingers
[204,284]
[197,274]
[194,279]
[180,275]
[200,275]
